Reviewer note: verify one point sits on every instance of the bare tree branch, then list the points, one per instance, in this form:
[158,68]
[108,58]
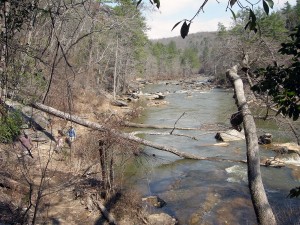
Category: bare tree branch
[259,198]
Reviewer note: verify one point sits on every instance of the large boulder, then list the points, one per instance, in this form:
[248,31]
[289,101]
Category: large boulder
[38,119]
[230,135]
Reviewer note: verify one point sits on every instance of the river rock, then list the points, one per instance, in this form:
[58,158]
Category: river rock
[265,139]
[160,95]
[157,103]
[161,219]
[230,135]
[156,96]
[274,162]
[292,147]
[155,201]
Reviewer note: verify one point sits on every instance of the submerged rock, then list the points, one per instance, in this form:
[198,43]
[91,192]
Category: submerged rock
[230,135]
[292,147]
[161,219]
[274,162]
[155,201]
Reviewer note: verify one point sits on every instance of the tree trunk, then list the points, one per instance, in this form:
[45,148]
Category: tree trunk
[260,202]
[102,153]
[111,172]
[102,128]
[4,13]
[115,71]
[131,137]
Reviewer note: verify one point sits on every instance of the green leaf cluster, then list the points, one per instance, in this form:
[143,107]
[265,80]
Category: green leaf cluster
[271,26]
[10,126]
[282,82]
[252,23]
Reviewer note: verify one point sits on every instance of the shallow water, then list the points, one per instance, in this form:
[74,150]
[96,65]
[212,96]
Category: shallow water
[205,192]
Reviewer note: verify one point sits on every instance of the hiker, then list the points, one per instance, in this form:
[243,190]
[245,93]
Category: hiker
[71,134]
[59,142]
[26,144]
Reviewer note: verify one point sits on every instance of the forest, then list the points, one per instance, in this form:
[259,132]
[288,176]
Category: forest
[68,64]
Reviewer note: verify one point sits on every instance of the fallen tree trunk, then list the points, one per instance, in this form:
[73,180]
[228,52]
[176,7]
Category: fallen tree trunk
[109,217]
[102,128]
[260,202]
[97,126]
[163,134]
[139,125]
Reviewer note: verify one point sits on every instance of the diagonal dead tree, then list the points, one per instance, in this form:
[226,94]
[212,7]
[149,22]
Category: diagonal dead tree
[127,136]
[263,210]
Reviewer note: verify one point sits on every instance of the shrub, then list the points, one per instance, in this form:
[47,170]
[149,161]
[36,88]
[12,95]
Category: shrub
[10,125]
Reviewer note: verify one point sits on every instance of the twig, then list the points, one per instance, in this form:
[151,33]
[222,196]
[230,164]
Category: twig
[176,122]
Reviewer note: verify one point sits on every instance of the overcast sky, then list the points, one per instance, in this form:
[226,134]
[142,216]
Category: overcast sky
[162,21]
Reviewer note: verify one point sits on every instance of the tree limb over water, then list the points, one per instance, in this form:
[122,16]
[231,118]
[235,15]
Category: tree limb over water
[260,202]
[139,125]
[131,137]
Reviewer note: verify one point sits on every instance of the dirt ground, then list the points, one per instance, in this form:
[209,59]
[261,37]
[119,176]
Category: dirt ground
[63,184]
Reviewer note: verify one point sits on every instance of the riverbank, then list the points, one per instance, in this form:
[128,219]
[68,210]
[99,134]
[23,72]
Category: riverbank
[73,179]
[66,183]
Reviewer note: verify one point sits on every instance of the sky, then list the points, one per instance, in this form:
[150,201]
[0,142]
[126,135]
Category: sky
[162,21]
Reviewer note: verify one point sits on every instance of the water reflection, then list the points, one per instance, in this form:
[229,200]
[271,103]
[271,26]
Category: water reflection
[205,192]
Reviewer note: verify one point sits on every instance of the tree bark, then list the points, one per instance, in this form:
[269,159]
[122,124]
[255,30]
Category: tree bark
[102,153]
[264,213]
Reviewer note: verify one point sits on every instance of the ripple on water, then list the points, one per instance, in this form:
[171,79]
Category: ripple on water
[238,174]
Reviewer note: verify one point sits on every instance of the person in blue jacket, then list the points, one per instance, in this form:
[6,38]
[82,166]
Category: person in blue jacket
[72,134]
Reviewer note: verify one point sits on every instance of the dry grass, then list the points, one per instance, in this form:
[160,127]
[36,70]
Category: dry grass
[71,166]
[129,207]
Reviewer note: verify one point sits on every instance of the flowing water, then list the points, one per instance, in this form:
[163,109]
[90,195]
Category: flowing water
[205,192]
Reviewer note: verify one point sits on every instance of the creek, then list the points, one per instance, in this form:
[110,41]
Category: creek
[206,192]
